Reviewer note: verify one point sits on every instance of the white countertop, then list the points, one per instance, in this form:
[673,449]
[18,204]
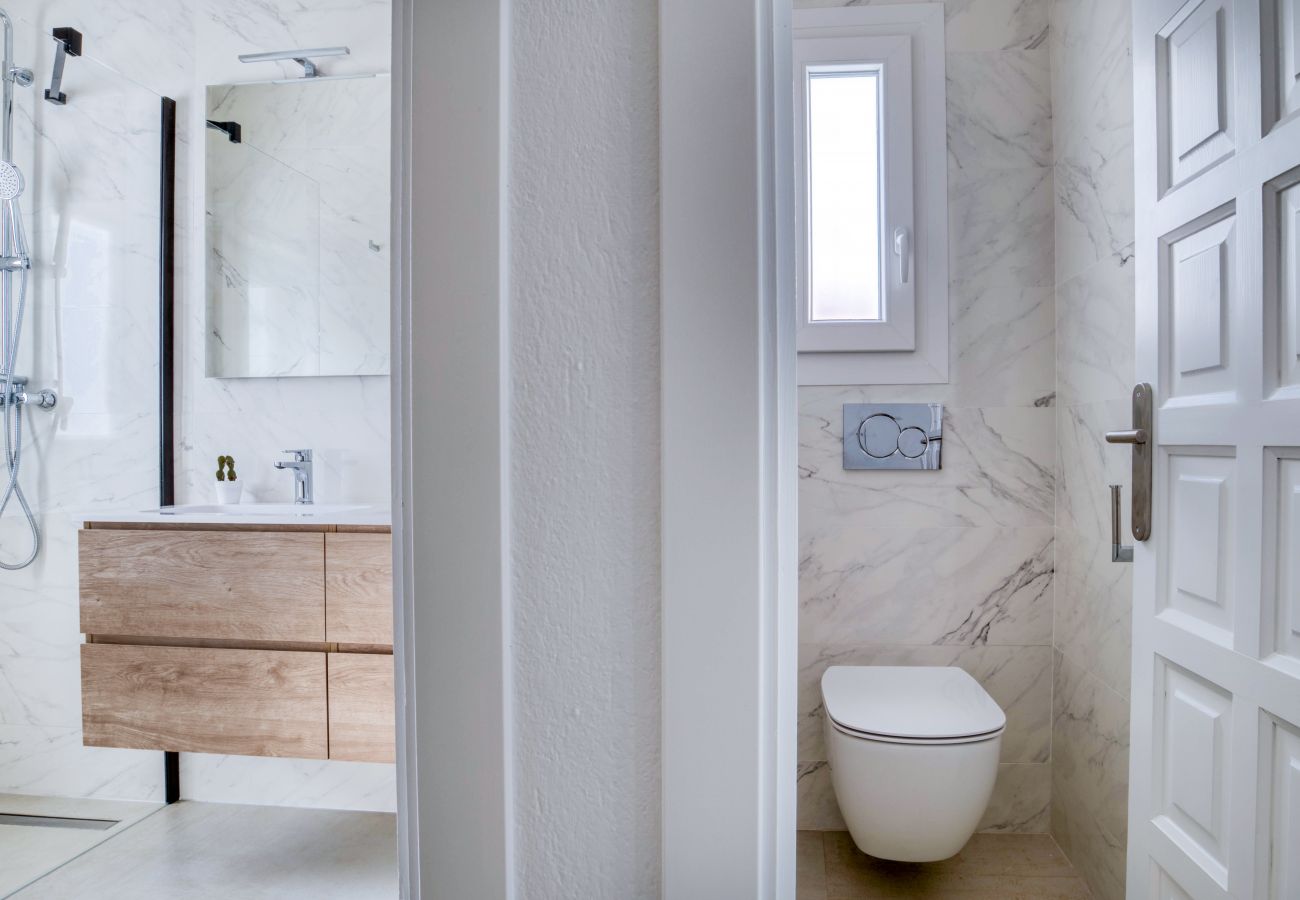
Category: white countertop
[251,514]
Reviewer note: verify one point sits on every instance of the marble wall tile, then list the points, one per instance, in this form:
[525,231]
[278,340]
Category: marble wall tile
[1094,606]
[314,783]
[1000,225]
[999,111]
[1092,87]
[151,44]
[1019,802]
[926,586]
[977,24]
[1090,775]
[1094,202]
[1088,465]
[51,761]
[1092,69]
[1002,340]
[1094,332]
[998,469]
[1018,678]
[90,210]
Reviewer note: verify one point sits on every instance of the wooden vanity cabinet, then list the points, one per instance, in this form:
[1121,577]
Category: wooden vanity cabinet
[250,640]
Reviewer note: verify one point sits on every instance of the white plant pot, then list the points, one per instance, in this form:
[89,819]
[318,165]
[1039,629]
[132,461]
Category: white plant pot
[228,492]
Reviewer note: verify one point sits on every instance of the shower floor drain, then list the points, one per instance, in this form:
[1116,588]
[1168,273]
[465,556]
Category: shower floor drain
[57,822]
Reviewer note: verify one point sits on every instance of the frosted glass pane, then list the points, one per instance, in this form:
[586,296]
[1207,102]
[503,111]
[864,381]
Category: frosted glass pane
[844,195]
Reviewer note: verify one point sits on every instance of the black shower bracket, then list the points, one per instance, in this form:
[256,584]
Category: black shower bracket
[69,44]
[232,130]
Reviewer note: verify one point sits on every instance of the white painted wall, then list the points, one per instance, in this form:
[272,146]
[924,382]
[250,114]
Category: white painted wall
[584,466]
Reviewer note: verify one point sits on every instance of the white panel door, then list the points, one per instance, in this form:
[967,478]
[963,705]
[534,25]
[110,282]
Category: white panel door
[1215,770]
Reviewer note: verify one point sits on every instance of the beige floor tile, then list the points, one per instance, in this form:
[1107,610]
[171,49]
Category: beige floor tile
[1002,866]
[810,866]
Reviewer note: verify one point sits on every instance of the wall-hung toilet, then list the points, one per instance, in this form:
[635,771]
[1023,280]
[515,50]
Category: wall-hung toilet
[913,753]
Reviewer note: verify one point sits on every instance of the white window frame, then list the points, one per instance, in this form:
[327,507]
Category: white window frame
[910,344]
[891,57]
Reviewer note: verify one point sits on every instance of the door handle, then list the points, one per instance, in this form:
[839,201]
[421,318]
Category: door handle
[1139,438]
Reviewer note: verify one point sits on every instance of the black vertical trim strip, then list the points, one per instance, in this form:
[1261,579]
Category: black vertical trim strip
[167,308]
[167,359]
[171,776]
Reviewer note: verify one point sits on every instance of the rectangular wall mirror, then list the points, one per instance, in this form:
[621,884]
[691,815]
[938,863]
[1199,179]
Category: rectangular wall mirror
[297,228]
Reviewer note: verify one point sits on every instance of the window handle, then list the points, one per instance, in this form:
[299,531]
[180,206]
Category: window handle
[903,250]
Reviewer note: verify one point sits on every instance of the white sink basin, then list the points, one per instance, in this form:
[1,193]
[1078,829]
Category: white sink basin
[241,510]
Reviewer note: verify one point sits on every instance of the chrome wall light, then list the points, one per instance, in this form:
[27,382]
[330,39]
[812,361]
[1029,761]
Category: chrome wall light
[303,57]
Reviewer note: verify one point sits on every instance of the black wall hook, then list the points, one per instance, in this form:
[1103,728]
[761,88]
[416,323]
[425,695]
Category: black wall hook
[69,41]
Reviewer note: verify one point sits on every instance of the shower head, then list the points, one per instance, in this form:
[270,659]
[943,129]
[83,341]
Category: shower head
[11,181]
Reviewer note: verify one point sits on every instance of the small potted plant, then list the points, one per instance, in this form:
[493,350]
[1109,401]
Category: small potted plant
[229,487]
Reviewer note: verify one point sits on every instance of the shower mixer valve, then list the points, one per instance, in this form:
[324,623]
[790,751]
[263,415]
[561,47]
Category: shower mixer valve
[19,396]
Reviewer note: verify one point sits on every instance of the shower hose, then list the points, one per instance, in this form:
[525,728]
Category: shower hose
[11,330]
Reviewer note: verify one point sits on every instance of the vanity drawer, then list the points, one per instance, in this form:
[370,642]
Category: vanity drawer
[361,705]
[251,702]
[250,585]
[359,588]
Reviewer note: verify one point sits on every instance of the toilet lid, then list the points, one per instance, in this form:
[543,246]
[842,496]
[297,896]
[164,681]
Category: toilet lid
[916,702]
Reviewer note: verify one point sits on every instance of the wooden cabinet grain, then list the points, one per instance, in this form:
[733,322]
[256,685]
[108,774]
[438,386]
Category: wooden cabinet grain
[238,640]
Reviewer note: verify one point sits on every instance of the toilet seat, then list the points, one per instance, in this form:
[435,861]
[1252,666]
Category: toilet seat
[910,705]
[892,739]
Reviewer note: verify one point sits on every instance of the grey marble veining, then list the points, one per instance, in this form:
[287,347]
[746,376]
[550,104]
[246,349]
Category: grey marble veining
[1000,226]
[1094,332]
[1021,801]
[1092,86]
[1094,606]
[1088,465]
[1094,202]
[999,111]
[970,586]
[1002,340]
[978,24]
[1092,105]
[1090,776]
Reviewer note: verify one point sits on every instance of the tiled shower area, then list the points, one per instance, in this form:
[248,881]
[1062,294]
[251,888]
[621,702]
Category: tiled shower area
[999,563]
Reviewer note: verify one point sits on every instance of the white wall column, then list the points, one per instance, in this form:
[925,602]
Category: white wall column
[729,450]
[450,446]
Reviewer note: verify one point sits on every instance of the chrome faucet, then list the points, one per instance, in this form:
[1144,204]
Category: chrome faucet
[301,465]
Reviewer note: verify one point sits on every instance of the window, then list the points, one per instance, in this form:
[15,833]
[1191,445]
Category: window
[871,195]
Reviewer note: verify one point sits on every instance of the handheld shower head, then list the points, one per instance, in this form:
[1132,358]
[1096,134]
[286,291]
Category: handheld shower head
[11,181]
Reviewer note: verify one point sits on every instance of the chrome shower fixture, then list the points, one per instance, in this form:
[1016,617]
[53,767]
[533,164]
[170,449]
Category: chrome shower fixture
[11,181]
[10,74]
[15,263]
[69,40]
[301,57]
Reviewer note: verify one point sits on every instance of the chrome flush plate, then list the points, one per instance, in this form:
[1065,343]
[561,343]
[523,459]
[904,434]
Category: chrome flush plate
[892,435]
